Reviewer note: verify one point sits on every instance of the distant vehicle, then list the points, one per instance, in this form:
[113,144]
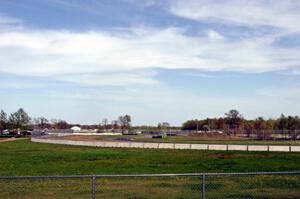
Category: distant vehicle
[37,133]
[13,132]
[5,132]
[25,133]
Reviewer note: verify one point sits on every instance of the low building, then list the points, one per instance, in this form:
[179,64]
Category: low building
[75,128]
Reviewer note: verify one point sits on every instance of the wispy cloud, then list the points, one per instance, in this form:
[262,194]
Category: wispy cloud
[42,52]
[111,79]
[20,84]
[279,14]
[7,20]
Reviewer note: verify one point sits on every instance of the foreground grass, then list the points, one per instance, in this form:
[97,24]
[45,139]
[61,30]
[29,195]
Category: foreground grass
[263,187]
[25,158]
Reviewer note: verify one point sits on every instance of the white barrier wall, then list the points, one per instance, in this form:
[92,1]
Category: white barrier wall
[111,144]
[258,148]
[199,146]
[182,146]
[279,148]
[295,148]
[137,145]
[124,144]
[217,147]
[150,145]
[237,147]
[166,146]
[99,144]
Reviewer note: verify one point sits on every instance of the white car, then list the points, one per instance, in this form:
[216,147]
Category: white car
[5,132]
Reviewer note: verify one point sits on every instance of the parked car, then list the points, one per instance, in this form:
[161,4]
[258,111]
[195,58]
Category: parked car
[37,133]
[25,133]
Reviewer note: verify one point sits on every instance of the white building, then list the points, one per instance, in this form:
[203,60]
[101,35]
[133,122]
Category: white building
[76,128]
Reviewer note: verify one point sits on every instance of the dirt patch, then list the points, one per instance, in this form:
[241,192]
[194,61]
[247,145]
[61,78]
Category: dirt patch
[8,139]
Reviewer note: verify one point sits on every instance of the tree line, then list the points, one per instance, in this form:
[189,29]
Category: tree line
[234,122]
[21,120]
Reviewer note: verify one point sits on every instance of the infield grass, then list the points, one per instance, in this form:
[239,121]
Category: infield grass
[23,157]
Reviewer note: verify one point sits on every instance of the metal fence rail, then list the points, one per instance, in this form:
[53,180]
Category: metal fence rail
[189,185]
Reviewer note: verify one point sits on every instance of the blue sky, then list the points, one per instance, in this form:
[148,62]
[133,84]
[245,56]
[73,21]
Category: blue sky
[157,60]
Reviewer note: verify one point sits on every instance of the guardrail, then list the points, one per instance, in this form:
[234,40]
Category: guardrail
[204,185]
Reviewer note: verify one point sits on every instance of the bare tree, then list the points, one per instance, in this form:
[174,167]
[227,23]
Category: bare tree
[41,122]
[62,124]
[114,124]
[3,121]
[105,122]
[125,122]
[165,125]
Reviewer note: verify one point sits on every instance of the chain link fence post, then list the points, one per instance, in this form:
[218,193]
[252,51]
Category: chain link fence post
[203,187]
[93,186]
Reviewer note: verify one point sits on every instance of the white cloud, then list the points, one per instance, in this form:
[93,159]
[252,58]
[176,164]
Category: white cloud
[44,53]
[111,79]
[7,20]
[213,35]
[280,14]
[19,84]
[124,56]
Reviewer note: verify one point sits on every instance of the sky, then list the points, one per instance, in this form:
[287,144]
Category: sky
[156,60]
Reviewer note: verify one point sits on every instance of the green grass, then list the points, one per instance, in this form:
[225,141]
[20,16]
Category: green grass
[23,157]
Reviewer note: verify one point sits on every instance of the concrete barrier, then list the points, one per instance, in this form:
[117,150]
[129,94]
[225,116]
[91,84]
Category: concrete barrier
[182,146]
[217,147]
[124,144]
[199,146]
[237,147]
[151,145]
[295,148]
[100,144]
[170,145]
[111,144]
[137,145]
[257,148]
[279,148]
[166,146]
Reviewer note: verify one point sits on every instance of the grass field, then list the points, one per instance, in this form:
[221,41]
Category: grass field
[25,158]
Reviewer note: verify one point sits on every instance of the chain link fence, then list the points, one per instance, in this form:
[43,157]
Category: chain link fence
[264,185]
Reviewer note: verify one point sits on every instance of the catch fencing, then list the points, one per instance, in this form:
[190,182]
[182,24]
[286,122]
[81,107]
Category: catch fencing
[188,185]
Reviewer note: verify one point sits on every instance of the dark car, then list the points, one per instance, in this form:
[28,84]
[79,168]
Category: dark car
[25,133]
